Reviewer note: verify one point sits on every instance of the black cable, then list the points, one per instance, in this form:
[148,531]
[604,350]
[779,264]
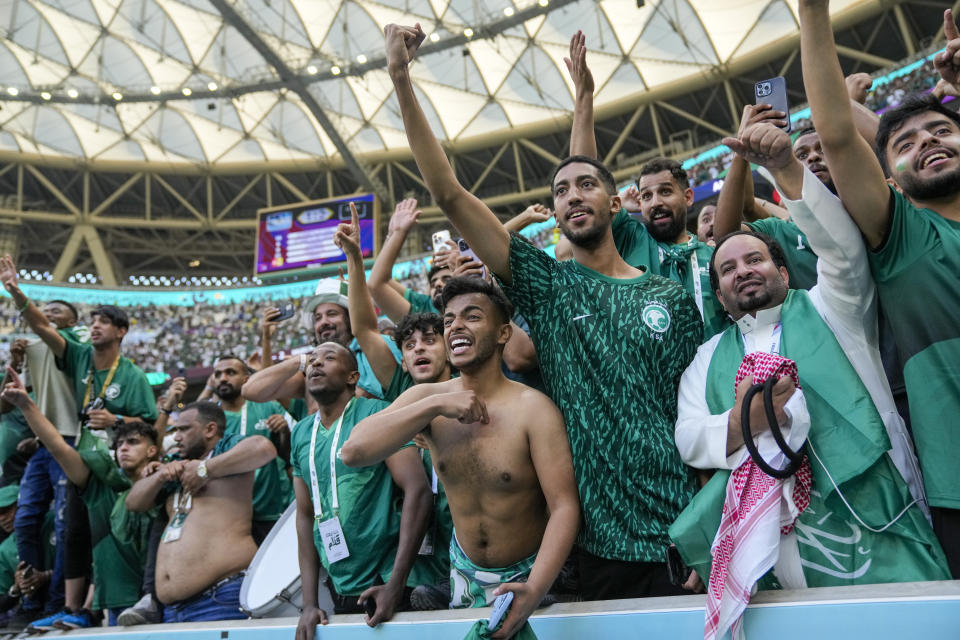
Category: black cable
[795,457]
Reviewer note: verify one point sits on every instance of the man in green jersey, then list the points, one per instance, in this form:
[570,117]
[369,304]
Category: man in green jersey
[345,516]
[118,537]
[914,242]
[662,195]
[207,494]
[599,324]
[272,491]
[393,298]
[501,451]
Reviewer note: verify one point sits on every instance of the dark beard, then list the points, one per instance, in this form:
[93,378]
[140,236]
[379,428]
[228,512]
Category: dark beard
[941,186]
[586,239]
[232,394]
[758,300]
[669,234]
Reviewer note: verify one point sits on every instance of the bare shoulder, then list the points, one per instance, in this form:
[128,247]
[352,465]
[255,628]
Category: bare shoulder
[537,409]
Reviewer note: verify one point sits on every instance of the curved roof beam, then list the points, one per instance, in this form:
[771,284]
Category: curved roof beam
[359,172]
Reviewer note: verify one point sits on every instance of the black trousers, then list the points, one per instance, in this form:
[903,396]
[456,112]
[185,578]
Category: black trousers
[605,579]
[946,525]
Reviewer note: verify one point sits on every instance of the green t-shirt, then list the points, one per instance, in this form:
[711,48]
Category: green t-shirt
[9,558]
[400,382]
[128,394]
[800,258]
[419,302]
[272,491]
[117,566]
[917,271]
[611,354]
[368,517]
[13,429]
[638,248]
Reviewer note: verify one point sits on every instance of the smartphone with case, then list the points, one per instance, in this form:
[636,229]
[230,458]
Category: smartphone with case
[286,312]
[774,93]
[440,240]
[465,250]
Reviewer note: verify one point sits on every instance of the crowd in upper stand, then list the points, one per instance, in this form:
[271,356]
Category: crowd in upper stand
[769,400]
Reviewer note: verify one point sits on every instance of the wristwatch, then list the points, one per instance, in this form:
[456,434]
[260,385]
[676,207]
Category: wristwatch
[118,421]
[202,470]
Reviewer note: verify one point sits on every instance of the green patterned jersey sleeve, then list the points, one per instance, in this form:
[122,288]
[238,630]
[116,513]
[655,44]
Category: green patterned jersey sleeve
[531,278]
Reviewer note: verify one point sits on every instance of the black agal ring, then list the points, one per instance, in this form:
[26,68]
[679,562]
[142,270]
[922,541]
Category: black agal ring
[795,457]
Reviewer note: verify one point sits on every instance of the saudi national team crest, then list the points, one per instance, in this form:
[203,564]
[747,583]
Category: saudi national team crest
[112,392]
[656,316]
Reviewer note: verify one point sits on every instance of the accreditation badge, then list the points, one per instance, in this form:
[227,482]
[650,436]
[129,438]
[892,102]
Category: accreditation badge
[333,540]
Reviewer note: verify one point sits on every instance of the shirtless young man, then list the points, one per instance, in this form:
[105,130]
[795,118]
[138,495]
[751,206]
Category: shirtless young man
[501,451]
[207,543]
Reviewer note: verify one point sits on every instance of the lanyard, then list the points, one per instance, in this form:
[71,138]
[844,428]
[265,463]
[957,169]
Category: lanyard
[187,504]
[433,473]
[697,285]
[106,383]
[314,480]
[243,420]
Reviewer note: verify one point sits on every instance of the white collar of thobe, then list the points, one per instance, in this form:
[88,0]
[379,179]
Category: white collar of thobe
[765,317]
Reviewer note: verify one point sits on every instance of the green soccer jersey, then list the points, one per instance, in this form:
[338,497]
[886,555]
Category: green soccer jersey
[117,566]
[13,429]
[612,352]
[400,382]
[800,258]
[676,262]
[916,271]
[128,394]
[370,523]
[272,491]
[419,302]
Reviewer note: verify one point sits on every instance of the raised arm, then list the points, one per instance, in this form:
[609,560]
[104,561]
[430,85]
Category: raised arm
[853,166]
[734,198]
[387,292]
[476,222]
[35,319]
[583,140]
[283,380]
[363,318]
[65,455]
[553,462]
[531,215]
[249,454]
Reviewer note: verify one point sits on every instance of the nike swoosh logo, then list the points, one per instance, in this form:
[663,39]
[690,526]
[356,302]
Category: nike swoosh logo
[586,315]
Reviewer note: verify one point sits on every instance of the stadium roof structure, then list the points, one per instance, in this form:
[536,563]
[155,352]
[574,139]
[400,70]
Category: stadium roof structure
[148,125]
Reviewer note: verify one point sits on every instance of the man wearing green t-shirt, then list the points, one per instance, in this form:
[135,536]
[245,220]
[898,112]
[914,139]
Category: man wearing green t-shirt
[914,242]
[272,491]
[661,242]
[394,299]
[345,516]
[613,341]
[102,482]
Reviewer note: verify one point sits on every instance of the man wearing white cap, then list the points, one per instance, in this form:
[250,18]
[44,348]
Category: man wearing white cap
[327,313]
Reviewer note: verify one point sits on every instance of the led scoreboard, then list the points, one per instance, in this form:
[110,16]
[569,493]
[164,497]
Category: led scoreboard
[299,237]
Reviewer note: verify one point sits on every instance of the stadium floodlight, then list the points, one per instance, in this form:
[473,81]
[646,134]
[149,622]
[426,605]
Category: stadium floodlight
[362,59]
[468,32]
[45,95]
[155,90]
[13,91]
[434,37]
[117,96]
[212,86]
[508,11]
[335,70]
[186,91]
[73,93]
[312,69]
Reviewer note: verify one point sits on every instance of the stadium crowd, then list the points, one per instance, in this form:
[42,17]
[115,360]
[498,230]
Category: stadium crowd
[654,412]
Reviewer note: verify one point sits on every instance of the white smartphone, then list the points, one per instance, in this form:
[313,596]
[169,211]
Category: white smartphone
[440,240]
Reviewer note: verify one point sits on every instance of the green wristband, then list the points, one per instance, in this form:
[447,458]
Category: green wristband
[23,307]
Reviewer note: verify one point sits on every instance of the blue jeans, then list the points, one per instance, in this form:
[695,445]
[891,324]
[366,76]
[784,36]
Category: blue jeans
[219,602]
[43,480]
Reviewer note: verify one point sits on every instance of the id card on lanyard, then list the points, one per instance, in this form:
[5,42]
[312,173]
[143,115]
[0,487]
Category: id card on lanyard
[697,284]
[331,533]
[426,547]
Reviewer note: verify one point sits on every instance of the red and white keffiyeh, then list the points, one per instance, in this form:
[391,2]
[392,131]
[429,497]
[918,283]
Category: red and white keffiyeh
[757,511]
